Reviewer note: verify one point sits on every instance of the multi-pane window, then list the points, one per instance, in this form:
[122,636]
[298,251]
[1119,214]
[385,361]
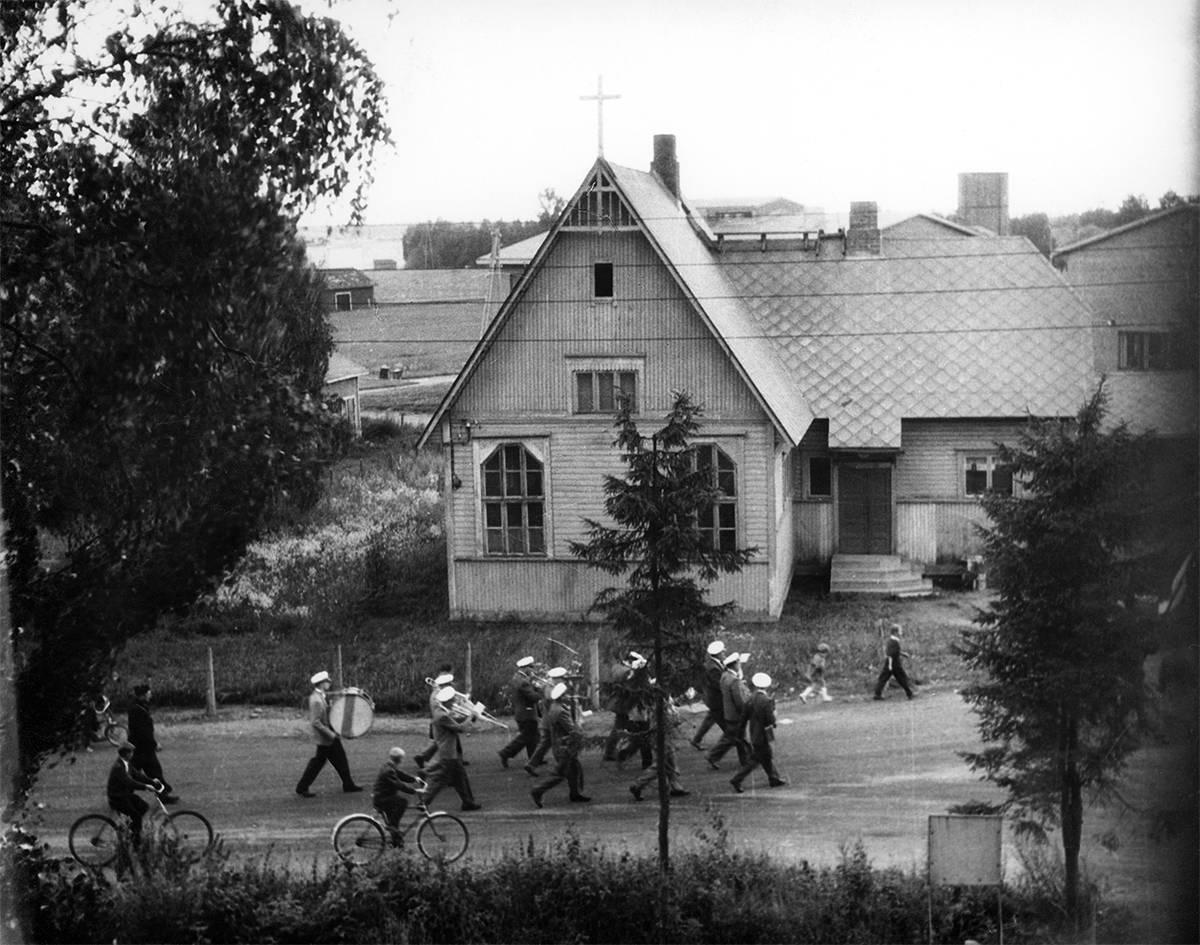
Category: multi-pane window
[602,280]
[984,473]
[514,502]
[718,521]
[601,391]
[1144,351]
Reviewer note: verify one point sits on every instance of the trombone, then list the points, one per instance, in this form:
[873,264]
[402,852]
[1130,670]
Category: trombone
[465,710]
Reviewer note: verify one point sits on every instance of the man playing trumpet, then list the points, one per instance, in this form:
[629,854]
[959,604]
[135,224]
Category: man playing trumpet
[526,692]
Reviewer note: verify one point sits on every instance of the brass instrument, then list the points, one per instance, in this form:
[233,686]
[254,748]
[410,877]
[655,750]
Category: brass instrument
[464,709]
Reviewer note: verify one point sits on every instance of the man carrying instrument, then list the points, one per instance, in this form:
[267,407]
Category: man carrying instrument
[443,678]
[733,717]
[566,741]
[448,768]
[711,692]
[526,695]
[329,743]
[554,676]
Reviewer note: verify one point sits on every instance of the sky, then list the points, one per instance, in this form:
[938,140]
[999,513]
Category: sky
[1081,102]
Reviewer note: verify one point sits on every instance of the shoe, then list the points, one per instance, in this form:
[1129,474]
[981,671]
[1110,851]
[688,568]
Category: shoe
[503,759]
[879,698]
[420,762]
[780,783]
[697,746]
[636,792]
[912,695]
[712,764]
[737,786]
[352,789]
[804,698]
[679,792]
[579,799]
[300,793]
[531,771]
[537,799]
[471,805]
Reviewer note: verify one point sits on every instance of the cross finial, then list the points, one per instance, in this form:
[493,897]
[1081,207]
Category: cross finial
[599,98]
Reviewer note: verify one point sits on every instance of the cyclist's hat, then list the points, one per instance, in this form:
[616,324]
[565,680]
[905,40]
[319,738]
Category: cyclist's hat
[396,753]
[125,748]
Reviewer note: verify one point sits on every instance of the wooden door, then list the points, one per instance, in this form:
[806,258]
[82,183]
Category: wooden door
[864,510]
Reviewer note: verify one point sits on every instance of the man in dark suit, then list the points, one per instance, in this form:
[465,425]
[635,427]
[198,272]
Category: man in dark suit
[711,692]
[733,713]
[760,727]
[329,743]
[525,696]
[125,778]
[145,745]
[893,667]
[566,741]
[447,769]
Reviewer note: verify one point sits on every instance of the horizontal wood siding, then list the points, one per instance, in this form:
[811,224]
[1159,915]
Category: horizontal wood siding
[928,467]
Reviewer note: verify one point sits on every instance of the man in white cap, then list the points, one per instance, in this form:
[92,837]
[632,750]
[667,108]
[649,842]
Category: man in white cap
[760,715]
[525,696]
[448,769]
[392,790]
[554,675]
[566,740]
[733,713]
[710,687]
[329,743]
[443,677]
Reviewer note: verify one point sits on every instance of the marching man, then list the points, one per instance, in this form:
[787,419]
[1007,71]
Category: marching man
[329,743]
[760,712]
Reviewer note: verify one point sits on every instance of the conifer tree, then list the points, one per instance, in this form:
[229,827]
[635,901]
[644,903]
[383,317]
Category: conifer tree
[1059,650]
[659,545]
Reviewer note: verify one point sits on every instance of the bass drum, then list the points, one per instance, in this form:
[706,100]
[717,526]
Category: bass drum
[351,713]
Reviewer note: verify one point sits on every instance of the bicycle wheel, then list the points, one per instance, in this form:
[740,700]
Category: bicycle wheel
[191,832]
[94,840]
[359,839]
[442,837]
[116,734]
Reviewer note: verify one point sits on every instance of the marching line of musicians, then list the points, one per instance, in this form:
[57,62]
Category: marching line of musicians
[547,717]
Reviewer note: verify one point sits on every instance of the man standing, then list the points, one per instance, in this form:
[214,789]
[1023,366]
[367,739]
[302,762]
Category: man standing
[892,665]
[760,720]
[733,718]
[711,692]
[566,741]
[329,743]
[392,790]
[447,769]
[525,698]
[145,746]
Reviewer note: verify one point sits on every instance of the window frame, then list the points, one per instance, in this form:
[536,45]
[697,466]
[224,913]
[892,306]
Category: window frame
[598,390]
[989,457]
[1147,360]
[337,300]
[731,501]
[606,267]
[579,364]
[484,451]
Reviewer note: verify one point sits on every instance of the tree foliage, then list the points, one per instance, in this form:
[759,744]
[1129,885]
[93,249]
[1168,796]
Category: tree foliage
[1035,226]
[445,245]
[1059,651]
[164,346]
[657,543]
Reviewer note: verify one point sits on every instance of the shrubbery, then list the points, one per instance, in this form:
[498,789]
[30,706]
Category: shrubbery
[572,892]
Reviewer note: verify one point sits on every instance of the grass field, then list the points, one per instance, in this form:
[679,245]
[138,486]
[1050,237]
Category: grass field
[424,339]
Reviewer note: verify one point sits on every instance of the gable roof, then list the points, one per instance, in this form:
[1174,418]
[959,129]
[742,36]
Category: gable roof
[930,224]
[1145,221]
[343,279]
[341,368]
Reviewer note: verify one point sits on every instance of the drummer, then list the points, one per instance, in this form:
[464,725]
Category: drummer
[329,743]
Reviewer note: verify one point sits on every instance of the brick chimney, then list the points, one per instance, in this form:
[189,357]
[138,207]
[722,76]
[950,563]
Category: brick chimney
[983,200]
[862,236]
[665,165]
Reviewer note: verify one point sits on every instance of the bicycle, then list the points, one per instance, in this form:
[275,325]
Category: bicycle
[95,840]
[105,726]
[360,839]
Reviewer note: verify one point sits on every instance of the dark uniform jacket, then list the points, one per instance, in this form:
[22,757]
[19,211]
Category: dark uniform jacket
[760,711]
[525,698]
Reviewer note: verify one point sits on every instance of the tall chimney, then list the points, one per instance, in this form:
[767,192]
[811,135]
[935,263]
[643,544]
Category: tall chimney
[665,165]
[862,235]
[983,200]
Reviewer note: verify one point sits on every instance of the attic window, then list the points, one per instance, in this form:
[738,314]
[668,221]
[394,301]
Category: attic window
[599,205]
[602,280]
[342,301]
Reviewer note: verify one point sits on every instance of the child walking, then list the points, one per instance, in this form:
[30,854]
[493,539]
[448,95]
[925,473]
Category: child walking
[816,675]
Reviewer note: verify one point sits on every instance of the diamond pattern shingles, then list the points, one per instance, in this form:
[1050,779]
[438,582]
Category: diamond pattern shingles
[978,327]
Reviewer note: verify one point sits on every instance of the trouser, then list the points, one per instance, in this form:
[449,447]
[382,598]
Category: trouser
[761,754]
[710,719]
[150,766]
[335,754]
[731,737]
[620,727]
[392,808]
[567,768]
[893,668]
[818,687]
[650,775]
[543,747]
[526,737]
[449,772]
[639,741]
[134,808]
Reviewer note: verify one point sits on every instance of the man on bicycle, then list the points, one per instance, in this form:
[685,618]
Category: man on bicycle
[391,787]
[123,780]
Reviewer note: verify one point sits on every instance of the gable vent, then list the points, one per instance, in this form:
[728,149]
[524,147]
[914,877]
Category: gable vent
[599,205]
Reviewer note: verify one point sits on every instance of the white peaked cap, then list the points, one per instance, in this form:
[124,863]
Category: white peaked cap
[558,672]
[320,677]
[524,661]
[743,657]
[716,648]
[445,694]
[732,658]
[761,680]
[558,690]
[444,680]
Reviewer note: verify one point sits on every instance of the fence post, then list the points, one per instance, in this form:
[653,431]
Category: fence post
[467,677]
[341,679]
[210,702]
[594,672]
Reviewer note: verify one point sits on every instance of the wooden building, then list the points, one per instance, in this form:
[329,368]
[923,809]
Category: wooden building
[853,392]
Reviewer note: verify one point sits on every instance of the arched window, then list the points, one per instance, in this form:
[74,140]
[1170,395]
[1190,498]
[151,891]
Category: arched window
[514,502]
[718,521]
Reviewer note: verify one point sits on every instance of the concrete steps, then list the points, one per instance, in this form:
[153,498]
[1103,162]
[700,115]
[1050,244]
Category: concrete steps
[878,575]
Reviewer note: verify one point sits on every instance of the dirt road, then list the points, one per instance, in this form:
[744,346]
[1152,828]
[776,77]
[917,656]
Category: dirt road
[859,770]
